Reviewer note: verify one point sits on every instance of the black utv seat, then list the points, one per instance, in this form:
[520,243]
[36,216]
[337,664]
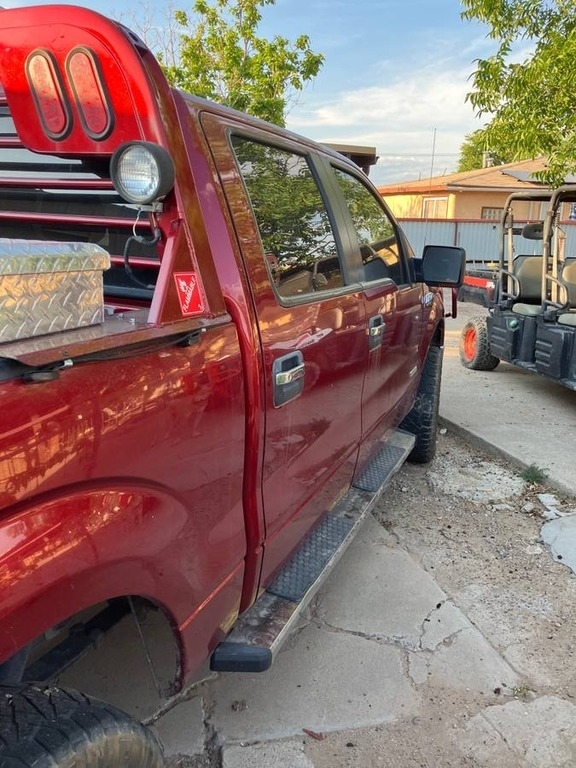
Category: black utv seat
[568,278]
[527,271]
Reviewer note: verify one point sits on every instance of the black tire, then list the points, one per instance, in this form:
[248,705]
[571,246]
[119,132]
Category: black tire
[422,420]
[46,727]
[475,346]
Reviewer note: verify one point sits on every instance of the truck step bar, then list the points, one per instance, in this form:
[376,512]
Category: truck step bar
[262,629]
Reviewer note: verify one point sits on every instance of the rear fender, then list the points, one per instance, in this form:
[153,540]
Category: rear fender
[69,554]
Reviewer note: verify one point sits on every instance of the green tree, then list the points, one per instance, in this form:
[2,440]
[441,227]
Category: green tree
[473,149]
[221,57]
[529,98]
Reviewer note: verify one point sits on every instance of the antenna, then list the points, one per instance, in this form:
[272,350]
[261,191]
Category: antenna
[433,154]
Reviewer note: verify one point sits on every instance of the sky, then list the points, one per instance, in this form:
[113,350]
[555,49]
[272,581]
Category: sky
[395,76]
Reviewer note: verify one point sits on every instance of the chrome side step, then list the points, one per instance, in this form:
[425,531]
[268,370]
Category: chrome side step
[261,630]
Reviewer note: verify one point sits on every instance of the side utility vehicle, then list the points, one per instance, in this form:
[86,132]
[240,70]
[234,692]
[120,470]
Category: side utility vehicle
[216,346]
[532,322]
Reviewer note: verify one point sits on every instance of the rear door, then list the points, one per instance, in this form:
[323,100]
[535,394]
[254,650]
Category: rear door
[311,321]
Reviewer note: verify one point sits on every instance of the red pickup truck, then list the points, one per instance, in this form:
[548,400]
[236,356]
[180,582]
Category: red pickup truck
[216,346]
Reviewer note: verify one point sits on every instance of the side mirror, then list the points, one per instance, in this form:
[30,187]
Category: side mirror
[443,265]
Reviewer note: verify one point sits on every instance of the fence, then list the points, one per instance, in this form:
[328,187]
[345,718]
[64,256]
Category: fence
[480,239]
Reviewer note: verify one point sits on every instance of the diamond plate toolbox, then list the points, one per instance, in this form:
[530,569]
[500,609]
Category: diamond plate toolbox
[47,287]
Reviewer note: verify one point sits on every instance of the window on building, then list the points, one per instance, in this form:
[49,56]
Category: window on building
[434,207]
[492,214]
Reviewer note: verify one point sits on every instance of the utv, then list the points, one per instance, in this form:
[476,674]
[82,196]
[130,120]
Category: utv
[532,321]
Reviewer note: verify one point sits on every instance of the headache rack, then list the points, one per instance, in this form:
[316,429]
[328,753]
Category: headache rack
[51,198]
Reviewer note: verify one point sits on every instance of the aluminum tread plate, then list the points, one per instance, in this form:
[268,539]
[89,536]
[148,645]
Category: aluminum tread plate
[297,577]
[49,287]
[267,623]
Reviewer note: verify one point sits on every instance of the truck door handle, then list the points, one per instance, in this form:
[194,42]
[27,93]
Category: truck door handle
[288,377]
[376,327]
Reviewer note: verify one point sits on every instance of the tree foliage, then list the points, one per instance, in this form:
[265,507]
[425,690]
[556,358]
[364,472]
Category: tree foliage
[526,87]
[474,147]
[222,57]
[287,204]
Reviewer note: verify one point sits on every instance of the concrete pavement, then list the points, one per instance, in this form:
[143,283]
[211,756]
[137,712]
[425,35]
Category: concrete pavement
[382,642]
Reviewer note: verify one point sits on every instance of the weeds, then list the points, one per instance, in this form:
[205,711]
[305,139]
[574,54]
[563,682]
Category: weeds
[522,692]
[533,474]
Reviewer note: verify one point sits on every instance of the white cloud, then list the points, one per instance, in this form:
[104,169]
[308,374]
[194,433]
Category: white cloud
[407,120]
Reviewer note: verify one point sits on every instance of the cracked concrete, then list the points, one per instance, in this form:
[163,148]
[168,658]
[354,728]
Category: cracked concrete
[560,536]
[513,733]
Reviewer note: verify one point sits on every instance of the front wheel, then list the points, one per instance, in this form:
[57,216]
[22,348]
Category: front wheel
[46,727]
[422,420]
[475,346]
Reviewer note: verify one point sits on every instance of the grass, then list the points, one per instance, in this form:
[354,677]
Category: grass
[534,474]
[522,692]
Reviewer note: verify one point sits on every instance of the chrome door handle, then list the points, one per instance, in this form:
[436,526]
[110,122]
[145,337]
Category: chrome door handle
[376,326]
[287,377]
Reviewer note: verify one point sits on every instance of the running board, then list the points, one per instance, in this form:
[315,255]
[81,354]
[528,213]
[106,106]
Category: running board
[261,630]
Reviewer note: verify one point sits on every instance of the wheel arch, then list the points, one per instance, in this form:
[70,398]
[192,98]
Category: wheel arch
[63,557]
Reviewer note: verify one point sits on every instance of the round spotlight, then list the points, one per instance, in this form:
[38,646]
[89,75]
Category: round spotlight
[142,172]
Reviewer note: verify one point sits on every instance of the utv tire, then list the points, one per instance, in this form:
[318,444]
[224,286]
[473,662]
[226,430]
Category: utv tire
[422,420]
[46,727]
[475,346]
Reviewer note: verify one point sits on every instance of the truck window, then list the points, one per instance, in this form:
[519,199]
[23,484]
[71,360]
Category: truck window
[379,246]
[294,225]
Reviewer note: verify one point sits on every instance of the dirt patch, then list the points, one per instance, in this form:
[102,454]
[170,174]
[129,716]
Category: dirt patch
[474,524]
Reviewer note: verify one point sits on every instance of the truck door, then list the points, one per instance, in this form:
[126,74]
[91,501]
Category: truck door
[311,323]
[393,307]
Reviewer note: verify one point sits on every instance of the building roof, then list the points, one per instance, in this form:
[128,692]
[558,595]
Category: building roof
[363,156]
[510,177]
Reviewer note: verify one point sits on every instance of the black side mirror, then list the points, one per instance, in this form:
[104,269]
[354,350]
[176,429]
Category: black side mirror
[443,265]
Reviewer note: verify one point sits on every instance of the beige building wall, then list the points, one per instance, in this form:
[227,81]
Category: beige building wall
[405,206]
[469,205]
[459,205]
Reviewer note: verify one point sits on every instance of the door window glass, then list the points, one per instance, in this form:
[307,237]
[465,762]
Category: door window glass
[375,231]
[297,237]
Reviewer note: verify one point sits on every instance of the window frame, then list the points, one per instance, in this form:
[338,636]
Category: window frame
[427,201]
[405,253]
[498,211]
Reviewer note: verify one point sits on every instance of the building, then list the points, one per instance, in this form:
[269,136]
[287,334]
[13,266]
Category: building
[470,195]
[364,157]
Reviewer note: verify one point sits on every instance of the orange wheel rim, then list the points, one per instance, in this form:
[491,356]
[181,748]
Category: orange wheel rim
[470,344]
